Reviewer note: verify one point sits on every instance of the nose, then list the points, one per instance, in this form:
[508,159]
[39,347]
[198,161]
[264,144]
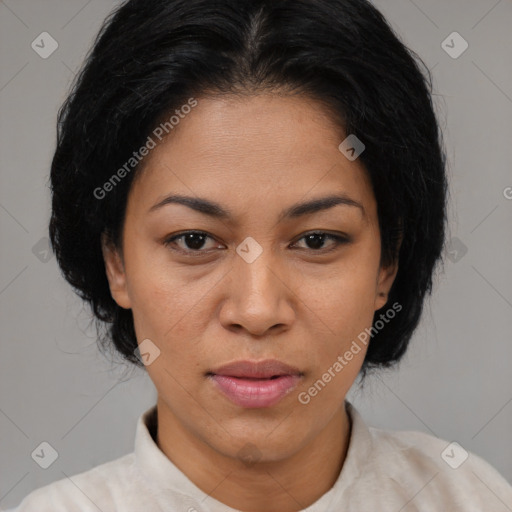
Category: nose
[261,298]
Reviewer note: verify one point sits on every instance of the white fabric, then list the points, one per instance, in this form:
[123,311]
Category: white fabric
[384,471]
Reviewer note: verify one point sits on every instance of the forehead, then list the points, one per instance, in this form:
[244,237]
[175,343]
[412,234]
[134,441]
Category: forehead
[263,149]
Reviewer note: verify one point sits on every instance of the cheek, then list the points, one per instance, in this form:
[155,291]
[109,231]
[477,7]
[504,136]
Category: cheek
[167,310]
[343,300]
[165,296]
[162,303]
[174,303]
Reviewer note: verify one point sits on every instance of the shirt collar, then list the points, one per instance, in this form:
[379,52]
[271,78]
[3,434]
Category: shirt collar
[162,475]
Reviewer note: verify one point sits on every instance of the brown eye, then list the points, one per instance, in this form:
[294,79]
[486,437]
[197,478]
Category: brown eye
[315,241]
[190,241]
[193,242]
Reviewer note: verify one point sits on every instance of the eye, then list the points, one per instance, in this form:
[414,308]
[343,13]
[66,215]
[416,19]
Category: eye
[192,241]
[316,240]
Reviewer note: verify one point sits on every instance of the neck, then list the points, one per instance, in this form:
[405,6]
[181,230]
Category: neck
[287,485]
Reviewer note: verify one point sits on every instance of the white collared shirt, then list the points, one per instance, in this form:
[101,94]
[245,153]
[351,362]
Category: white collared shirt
[384,471]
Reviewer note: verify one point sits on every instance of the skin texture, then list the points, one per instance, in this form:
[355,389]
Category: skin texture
[297,302]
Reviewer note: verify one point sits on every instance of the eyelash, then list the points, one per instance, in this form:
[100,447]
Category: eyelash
[338,239]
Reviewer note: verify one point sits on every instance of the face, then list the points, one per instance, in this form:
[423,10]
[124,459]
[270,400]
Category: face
[254,278]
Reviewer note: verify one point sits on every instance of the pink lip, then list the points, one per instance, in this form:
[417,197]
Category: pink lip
[255,384]
[256,369]
[255,392]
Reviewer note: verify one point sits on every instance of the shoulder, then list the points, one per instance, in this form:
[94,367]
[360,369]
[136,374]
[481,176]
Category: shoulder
[102,487]
[430,470]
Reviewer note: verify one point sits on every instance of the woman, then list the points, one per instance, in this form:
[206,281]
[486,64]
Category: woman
[251,195]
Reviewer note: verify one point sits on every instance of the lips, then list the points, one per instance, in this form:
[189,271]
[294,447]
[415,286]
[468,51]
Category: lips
[255,384]
[256,370]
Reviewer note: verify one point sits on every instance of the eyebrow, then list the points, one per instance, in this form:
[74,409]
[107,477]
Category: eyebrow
[217,211]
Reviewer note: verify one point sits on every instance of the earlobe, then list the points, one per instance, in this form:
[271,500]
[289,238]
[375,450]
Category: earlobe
[116,275]
[385,282]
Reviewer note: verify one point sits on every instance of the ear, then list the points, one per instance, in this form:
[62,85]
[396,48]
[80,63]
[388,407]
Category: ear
[385,280]
[116,275]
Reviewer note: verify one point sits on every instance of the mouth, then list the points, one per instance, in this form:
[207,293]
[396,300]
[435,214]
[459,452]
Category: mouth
[255,384]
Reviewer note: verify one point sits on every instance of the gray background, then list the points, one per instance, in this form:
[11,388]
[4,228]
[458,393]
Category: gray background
[455,382]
